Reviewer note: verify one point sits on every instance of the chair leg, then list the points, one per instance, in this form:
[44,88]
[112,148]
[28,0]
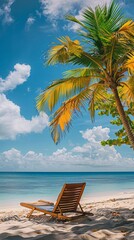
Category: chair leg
[30,213]
[81,209]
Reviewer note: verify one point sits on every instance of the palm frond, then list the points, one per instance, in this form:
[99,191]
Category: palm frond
[130,62]
[74,19]
[100,24]
[127,90]
[59,89]
[88,60]
[83,72]
[114,17]
[61,53]
[127,30]
[83,61]
[63,116]
[98,93]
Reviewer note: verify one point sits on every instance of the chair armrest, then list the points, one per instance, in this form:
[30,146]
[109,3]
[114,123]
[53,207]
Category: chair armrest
[50,203]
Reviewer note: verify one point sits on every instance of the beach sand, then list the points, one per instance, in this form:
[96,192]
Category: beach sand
[113,219]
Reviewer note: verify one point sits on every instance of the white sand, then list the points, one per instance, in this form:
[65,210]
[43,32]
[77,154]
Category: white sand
[113,219]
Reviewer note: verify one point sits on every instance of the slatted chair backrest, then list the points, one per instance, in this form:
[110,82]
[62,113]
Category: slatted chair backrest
[69,198]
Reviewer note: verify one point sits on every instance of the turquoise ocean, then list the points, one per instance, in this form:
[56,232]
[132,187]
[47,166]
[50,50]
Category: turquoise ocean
[31,186]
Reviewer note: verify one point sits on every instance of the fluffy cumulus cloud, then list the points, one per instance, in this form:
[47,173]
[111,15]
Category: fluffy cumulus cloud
[12,123]
[91,156]
[5,11]
[56,9]
[16,77]
[96,134]
[93,150]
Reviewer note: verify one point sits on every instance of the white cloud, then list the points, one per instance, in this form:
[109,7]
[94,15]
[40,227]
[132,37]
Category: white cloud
[93,149]
[96,134]
[18,76]
[12,123]
[29,22]
[12,154]
[5,11]
[60,152]
[56,9]
[91,156]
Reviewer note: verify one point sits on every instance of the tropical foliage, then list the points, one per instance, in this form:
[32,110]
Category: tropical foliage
[105,65]
[109,109]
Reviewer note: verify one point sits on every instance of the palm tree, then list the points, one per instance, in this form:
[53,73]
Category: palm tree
[105,65]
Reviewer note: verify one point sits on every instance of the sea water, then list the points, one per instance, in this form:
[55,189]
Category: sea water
[30,186]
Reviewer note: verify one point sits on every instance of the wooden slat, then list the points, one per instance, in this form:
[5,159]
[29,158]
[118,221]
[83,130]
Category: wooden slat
[69,198]
[78,201]
[71,194]
[68,210]
[72,189]
[67,205]
[64,201]
[74,185]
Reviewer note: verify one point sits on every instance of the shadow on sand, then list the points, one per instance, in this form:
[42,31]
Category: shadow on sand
[105,224]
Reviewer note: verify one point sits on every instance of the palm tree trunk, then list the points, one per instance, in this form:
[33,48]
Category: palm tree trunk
[123,117]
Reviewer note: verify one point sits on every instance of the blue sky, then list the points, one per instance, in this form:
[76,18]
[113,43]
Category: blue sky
[27,31]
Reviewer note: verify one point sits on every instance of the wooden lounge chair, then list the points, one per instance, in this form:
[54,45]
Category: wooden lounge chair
[67,202]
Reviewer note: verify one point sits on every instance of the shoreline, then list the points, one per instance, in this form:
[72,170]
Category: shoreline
[104,196]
